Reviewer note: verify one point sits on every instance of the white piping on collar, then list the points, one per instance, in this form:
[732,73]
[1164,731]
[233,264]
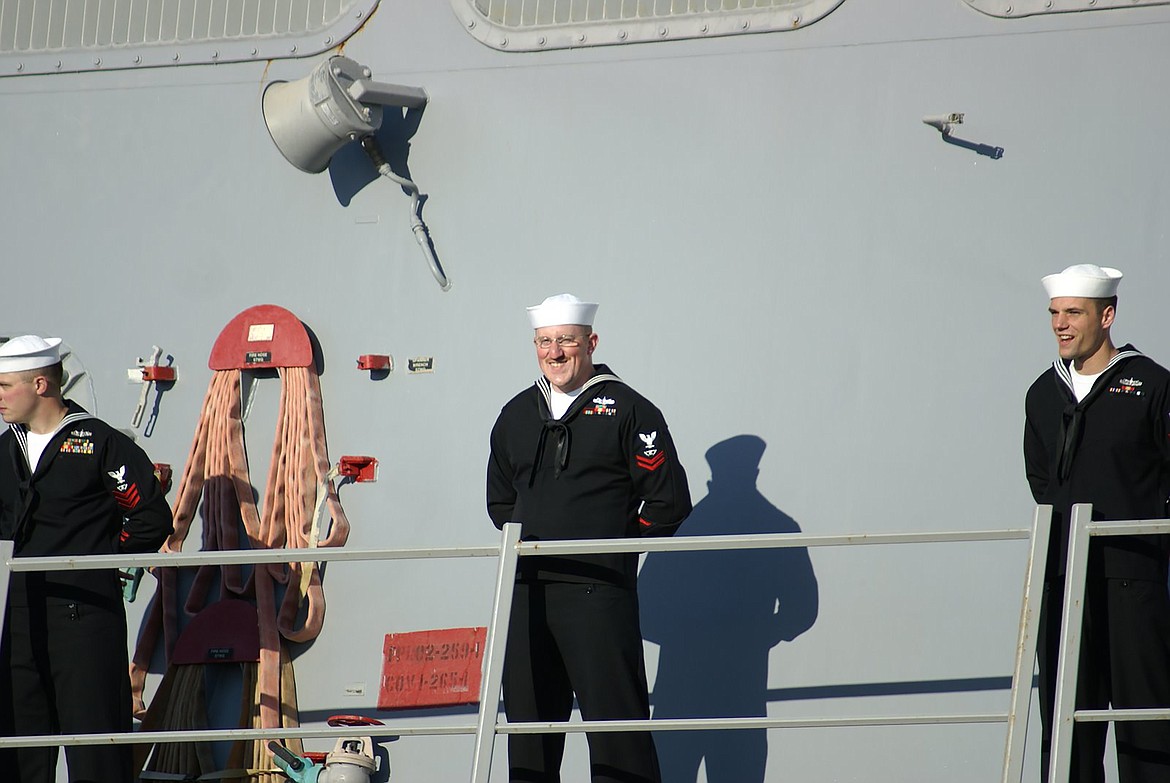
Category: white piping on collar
[1063,372]
[545,387]
[20,431]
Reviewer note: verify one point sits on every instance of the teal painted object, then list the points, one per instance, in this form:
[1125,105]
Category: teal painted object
[131,579]
[298,768]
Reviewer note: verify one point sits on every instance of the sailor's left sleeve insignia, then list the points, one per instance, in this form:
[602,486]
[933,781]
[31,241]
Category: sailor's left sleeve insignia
[651,457]
[126,493]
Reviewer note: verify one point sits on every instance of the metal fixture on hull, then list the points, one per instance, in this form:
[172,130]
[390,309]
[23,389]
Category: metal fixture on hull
[310,119]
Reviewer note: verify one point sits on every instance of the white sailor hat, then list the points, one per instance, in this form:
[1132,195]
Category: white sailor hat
[1087,281]
[562,309]
[29,352]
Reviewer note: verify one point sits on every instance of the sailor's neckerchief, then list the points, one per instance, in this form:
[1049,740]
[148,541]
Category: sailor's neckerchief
[558,426]
[1074,412]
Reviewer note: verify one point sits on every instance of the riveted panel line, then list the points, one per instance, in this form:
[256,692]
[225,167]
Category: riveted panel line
[531,25]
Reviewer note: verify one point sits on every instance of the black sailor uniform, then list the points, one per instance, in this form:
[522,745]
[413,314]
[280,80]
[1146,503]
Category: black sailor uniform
[606,469]
[1111,449]
[64,666]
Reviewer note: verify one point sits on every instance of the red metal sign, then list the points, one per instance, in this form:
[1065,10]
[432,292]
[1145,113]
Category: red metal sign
[264,336]
[431,668]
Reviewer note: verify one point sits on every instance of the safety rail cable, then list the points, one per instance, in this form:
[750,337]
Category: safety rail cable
[509,551]
[1072,622]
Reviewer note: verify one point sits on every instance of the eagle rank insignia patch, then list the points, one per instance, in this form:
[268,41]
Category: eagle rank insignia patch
[651,457]
[126,492]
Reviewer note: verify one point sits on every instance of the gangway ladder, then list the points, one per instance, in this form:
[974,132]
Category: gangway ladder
[1065,713]
[488,724]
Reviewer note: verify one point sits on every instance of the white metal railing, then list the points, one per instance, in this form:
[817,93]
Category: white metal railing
[10,564]
[509,551]
[1072,621]
[1015,717]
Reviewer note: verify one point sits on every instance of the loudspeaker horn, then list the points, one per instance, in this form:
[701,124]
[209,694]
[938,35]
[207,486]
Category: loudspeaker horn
[311,118]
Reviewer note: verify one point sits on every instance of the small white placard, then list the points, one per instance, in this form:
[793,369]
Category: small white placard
[260,333]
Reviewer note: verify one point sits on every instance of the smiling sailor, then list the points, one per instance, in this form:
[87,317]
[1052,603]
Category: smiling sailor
[580,455]
[69,485]
[1097,432]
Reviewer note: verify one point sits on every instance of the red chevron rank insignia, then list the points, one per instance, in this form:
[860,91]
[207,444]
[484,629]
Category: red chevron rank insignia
[653,462]
[127,498]
[651,457]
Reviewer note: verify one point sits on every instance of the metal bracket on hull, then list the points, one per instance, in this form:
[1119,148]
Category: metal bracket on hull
[945,124]
[312,118]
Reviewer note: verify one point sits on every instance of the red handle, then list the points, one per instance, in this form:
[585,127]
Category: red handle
[353,720]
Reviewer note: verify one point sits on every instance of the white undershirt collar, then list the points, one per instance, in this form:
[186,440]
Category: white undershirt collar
[560,401]
[1083,384]
[36,443]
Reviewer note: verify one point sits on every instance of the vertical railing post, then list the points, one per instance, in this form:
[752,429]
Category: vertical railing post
[1017,732]
[7,549]
[493,657]
[1071,622]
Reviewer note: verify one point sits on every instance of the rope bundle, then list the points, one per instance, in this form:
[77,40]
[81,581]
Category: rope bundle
[216,473]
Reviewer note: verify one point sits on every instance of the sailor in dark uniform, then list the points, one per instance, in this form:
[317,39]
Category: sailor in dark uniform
[69,485]
[1097,432]
[580,455]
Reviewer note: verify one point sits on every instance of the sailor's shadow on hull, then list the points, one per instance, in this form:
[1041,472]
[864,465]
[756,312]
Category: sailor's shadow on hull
[716,615]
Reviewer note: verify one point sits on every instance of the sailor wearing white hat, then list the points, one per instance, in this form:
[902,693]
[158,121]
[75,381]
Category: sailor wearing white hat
[562,309]
[565,342]
[70,484]
[22,392]
[1098,431]
[29,352]
[1083,280]
[1083,305]
[579,454]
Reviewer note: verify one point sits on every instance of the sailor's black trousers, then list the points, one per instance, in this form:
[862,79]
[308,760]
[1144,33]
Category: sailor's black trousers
[64,670]
[1124,663]
[584,639]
